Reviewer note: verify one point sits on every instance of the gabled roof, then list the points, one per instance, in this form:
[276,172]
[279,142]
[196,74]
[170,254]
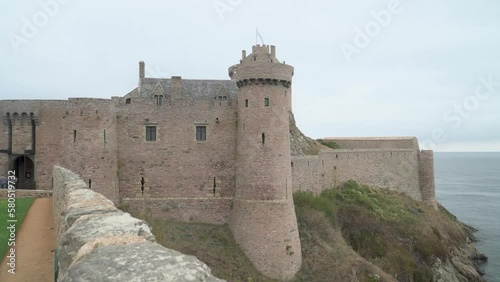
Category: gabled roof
[191,88]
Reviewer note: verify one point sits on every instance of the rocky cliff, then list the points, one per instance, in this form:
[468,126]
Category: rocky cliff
[456,259]
[300,144]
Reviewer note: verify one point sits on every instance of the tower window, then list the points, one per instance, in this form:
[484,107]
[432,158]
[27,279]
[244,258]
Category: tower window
[266,102]
[201,133]
[128,101]
[263,137]
[150,133]
[246,103]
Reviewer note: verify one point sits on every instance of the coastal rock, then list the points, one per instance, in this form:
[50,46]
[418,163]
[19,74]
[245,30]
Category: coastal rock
[462,267]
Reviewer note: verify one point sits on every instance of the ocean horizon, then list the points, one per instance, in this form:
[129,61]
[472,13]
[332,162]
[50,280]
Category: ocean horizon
[468,185]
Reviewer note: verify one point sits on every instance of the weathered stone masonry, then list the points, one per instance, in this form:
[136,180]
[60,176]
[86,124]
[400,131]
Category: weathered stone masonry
[98,242]
[214,151]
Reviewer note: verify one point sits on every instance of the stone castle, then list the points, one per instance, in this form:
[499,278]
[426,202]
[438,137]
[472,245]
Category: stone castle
[215,151]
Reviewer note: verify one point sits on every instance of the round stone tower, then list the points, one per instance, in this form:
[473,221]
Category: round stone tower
[263,218]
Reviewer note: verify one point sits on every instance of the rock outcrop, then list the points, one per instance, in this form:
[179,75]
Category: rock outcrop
[300,144]
[464,265]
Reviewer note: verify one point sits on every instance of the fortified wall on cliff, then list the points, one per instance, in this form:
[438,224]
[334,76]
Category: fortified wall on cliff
[215,151]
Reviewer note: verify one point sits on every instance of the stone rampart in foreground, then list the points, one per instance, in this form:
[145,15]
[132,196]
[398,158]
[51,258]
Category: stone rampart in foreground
[98,242]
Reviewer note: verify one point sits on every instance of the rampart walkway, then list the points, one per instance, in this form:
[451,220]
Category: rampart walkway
[35,242]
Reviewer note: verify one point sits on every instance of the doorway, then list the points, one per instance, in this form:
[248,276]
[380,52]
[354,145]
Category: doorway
[25,172]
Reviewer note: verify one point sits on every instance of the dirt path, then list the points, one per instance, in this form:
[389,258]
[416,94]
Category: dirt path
[35,243]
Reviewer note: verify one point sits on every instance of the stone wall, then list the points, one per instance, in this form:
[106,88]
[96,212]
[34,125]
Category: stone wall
[48,116]
[395,169]
[98,242]
[427,183]
[375,142]
[48,141]
[268,234]
[89,143]
[210,210]
[176,165]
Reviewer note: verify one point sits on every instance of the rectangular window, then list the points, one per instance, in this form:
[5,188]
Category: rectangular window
[159,99]
[246,103]
[201,133]
[150,133]
[266,102]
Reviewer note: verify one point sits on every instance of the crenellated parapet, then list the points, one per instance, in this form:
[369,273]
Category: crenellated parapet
[22,118]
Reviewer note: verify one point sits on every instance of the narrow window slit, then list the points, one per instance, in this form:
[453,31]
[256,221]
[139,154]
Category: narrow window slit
[142,185]
[215,185]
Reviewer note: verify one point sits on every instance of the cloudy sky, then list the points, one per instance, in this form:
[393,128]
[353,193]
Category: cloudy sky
[362,68]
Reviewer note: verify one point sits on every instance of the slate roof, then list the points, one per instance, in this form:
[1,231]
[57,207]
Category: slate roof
[193,88]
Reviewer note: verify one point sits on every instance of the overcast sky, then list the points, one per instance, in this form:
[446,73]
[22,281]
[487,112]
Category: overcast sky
[362,68]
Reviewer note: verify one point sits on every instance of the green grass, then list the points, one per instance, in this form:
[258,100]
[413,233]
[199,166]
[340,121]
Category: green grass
[212,244]
[349,232]
[389,229]
[330,144]
[22,207]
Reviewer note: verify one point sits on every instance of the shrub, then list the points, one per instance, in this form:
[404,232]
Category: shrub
[330,144]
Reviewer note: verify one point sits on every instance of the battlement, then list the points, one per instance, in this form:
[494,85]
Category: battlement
[261,67]
[21,118]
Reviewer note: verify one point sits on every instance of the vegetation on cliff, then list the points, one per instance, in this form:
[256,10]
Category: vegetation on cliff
[329,144]
[350,233]
[405,238]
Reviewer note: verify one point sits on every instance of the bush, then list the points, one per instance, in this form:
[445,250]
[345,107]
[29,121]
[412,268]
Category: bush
[306,199]
[330,144]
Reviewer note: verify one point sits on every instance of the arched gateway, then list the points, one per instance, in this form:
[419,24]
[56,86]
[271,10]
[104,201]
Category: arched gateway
[25,172]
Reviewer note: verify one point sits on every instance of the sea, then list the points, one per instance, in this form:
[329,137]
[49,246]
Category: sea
[468,185]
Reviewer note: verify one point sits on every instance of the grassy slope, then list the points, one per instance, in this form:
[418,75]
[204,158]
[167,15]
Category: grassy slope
[350,233]
[212,244]
[390,230]
[22,207]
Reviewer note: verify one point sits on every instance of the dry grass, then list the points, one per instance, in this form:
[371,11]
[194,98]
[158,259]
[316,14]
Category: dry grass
[212,244]
[353,233]
[396,233]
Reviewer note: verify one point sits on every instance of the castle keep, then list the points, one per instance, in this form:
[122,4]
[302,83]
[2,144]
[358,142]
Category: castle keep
[215,151]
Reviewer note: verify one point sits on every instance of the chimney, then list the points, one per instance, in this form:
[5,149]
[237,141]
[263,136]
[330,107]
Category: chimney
[243,54]
[141,69]
[176,87]
[273,51]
